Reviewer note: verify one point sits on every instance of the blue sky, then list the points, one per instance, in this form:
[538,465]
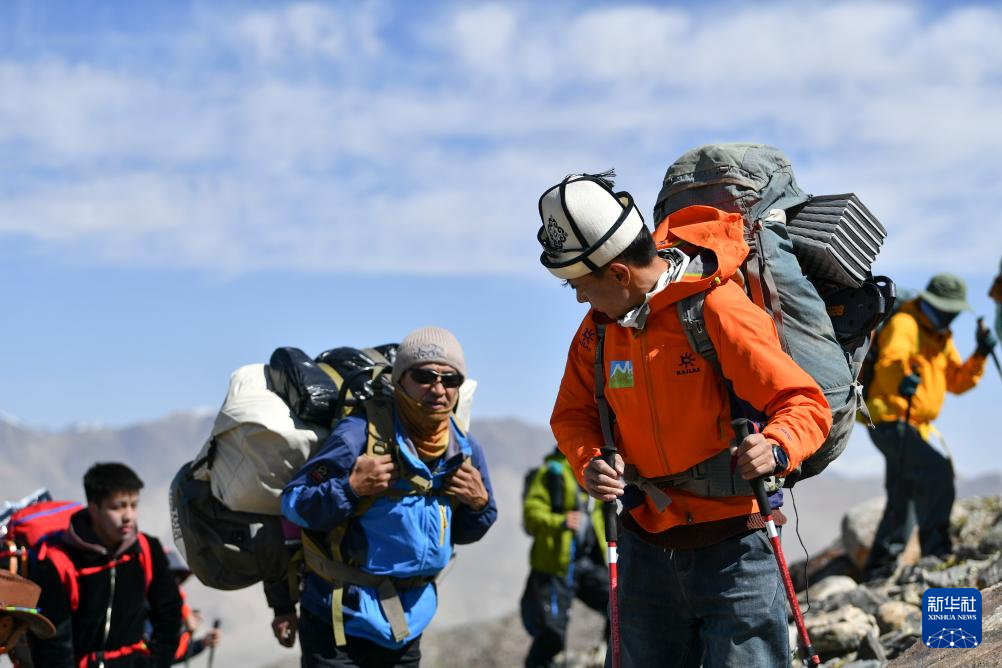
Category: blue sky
[185,186]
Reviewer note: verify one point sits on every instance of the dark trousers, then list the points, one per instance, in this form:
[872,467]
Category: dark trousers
[920,489]
[546,603]
[316,638]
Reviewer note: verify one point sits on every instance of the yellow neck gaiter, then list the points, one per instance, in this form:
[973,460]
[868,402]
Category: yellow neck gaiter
[429,431]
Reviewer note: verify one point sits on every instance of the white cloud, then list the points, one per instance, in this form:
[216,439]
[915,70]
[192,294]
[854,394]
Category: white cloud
[306,31]
[433,133]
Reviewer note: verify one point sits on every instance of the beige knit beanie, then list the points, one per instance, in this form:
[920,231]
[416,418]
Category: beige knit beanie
[428,344]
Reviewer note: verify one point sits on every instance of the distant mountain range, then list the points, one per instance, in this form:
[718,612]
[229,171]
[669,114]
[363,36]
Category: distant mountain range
[486,579]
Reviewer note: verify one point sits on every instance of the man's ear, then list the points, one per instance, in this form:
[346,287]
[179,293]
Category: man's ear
[620,272]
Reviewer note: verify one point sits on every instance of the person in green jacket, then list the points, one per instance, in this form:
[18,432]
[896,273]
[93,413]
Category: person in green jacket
[567,557]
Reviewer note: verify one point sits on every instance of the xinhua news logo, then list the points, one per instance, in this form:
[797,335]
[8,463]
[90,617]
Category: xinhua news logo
[951,618]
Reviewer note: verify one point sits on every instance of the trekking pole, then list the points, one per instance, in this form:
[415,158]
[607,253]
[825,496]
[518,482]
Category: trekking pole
[216,623]
[742,429]
[998,367]
[608,451]
[612,556]
[903,426]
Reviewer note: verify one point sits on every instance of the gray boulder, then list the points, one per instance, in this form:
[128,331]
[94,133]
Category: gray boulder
[839,631]
[990,575]
[899,616]
[961,575]
[975,519]
[830,586]
[992,540]
[859,526]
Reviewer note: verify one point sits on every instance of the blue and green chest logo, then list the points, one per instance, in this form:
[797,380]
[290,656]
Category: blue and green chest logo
[620,374]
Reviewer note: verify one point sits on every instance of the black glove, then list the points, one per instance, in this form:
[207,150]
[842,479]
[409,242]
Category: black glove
[909,384]
[986,341]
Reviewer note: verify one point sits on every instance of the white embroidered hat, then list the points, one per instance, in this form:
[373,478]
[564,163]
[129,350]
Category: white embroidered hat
[585,225]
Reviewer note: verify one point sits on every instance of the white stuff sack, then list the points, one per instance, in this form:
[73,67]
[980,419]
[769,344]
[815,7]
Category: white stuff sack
[259,445]
[464,405]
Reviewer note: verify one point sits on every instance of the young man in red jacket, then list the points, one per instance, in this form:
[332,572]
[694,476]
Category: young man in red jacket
[100,580]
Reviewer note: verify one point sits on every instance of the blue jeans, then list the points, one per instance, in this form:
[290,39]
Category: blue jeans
[715,606]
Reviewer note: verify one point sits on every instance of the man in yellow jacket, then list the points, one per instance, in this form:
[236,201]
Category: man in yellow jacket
[916,365]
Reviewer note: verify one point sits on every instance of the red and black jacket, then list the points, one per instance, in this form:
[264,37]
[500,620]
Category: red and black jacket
[81,581]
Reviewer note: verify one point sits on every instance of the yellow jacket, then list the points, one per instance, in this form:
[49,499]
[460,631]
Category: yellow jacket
[909,342]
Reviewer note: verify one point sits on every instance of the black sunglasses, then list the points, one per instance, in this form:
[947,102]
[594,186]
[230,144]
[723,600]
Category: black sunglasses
[430,377]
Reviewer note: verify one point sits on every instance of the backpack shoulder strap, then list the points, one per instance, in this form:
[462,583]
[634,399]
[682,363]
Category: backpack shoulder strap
[380,436]
[690,314]
[66,570]
[605,415]
[145,559]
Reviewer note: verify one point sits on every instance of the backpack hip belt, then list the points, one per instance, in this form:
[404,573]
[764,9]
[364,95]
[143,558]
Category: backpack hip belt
[109,654]
[711,477]
[338,573]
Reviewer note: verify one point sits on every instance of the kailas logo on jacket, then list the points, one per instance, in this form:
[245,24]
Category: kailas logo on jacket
[620,374]
[686,365]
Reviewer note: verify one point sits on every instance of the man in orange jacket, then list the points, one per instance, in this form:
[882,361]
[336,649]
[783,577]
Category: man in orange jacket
[696,581]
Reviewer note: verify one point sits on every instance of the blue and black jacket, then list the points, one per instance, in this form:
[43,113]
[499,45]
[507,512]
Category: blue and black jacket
[397,536]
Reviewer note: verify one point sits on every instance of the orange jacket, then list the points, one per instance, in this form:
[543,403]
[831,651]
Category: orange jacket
[909,341]
[672,410]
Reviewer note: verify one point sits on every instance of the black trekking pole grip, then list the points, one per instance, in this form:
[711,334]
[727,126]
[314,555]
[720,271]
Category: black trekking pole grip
[216,623]
[998,367]
[609,507]
[743,428]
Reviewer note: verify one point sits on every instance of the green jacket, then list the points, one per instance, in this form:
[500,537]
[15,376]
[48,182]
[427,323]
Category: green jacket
[544,521]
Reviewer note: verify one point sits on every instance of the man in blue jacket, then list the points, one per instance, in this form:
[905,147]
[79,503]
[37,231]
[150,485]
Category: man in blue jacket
[382,513]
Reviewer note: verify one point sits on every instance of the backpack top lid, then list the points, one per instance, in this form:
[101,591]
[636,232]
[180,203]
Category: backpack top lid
[749,179]
[32,524]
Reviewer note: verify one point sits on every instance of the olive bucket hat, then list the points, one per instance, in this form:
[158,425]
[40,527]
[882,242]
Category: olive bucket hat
[947,293]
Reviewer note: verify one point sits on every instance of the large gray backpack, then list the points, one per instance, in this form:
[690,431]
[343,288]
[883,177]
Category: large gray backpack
[224,548]
[757,181]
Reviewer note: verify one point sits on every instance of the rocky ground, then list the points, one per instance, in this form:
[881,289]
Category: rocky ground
[879,623]
[503,643]
[852,624]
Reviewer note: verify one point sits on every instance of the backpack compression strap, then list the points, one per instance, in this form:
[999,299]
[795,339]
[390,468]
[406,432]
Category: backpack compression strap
[761,284]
